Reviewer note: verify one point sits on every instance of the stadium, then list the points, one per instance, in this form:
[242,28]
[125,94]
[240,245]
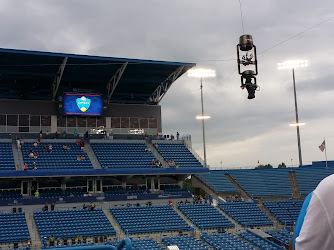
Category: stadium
[87,165]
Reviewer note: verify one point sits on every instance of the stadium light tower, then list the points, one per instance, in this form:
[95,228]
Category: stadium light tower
[292,65]
[202,73]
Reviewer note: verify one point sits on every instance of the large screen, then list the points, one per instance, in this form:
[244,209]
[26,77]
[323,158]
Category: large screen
[83,104]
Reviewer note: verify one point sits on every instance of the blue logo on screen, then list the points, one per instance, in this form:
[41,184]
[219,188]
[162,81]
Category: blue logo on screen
[83,103]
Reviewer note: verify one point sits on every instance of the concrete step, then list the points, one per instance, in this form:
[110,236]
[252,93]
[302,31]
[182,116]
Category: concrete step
[36,242]
[91,155]
[276,222]
[120,233]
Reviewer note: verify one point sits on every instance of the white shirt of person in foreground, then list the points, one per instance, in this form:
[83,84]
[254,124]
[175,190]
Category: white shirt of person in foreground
[317,230]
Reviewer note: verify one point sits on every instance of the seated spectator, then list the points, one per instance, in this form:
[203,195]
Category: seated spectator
[64,147]
[35,155]
[31,154]
[156,145]
[35,144]
[58,240]
[17,167]
[82,158]
[148,149]
[50,148]
[171,203]
[84,206]
[192,230]
[68,147]
[34,167]
[39,140]
[82,145]
[92,206]
[79,239]
[44,149]
[25,166]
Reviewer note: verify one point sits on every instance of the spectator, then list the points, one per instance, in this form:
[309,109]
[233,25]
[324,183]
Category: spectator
[171,203]
[177,135]
[315,221]
[92,206]
[52,241]
[79,239]
[35,155]
[46,207]
[31,154]
[58,240]
[37,194]
[38,140]
[192,230]
[56,135]
[64,147]
[50,148]
[35,144]
[84,206]
[44,242]
[28,243]
[44,149]
[17,167]
[64,133]
[52,206]
[34,167]
[86,135]
[156,145]
[82,145]
[148,149]
[47,134]
[25,166]
[40,134]
[75,133]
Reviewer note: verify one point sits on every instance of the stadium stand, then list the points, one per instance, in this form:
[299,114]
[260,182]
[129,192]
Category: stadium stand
[281,235]
[263,182]
[309,177]
[246,213]
[179,153]
[259,241]
[10,194]
[71,223]
[146,219]
[205,216]
[285,211]
[14,228]
[217,181]
[184,242]
[225,241]
[7,159]
[172,189]
[123,155]
[58,158]
[148,244]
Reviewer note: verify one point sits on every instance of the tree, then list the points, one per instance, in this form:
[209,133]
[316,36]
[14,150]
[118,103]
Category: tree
[282,165]
[264,166]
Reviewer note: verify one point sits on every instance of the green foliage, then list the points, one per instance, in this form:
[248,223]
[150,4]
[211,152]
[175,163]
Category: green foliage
[264,166]
[282,165]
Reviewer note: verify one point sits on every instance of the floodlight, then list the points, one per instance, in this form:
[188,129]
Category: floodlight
[297,124]
[202,73]
[203,117]
[293,64]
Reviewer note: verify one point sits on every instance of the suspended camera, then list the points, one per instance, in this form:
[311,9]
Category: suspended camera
[247,61]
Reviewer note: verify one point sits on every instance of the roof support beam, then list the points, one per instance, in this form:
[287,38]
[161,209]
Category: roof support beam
[114,80]
[161,90]
[57,79]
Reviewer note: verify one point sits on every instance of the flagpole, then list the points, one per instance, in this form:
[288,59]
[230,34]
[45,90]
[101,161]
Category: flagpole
[325,151]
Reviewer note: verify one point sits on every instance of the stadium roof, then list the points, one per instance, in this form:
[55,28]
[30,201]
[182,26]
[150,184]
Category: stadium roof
[36,75]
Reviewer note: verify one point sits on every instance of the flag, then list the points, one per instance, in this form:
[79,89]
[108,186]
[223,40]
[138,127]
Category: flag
[322,146]
[258,161]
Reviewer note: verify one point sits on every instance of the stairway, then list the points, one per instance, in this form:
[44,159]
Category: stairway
[92,157]
[36,242]
[17,154]
[120,233]
[237,225]
[237,185]
[157,155]
[276,222]
[188,221]
[294,185]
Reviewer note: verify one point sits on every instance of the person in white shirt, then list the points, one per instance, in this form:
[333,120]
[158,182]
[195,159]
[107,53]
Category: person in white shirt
[317,227]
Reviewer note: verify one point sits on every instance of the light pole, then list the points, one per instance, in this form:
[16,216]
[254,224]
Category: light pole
[292,65]
[202,73]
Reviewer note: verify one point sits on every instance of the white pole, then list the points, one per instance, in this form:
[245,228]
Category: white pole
[325,151]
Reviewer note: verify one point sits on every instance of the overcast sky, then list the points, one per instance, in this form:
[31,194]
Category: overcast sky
[241,132]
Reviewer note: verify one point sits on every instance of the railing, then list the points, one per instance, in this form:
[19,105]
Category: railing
[187,144]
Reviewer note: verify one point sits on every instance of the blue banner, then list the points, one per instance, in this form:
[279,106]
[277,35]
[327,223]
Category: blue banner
[83,104]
